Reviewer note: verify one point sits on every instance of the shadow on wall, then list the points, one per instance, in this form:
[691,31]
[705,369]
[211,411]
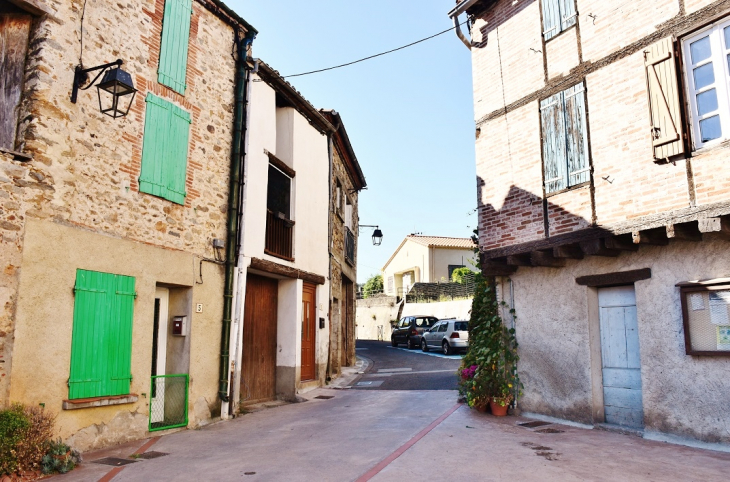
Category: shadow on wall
[525,216]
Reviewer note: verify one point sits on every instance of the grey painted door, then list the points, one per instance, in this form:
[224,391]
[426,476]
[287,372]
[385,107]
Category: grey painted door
[620,357]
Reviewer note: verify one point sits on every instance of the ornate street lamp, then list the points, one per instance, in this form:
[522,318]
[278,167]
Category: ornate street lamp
[116,84]
[377,234]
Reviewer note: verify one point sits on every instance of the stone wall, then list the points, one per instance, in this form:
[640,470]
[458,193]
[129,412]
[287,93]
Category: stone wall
[85,167]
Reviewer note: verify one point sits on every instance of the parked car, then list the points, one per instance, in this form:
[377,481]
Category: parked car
[409,330]
[447,335]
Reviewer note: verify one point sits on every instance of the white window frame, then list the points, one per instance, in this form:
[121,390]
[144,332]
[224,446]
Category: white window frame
[719,54]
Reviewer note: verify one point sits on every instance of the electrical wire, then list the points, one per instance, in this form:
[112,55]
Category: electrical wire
[376,55]
[81,53]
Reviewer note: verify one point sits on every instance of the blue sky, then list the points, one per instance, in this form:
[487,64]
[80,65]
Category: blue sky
[409,114]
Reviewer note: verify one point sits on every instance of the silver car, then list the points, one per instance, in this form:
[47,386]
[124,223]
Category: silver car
[447,335]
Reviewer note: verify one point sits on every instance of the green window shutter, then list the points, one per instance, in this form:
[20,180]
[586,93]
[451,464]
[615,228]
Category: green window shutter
[101,344]
[174,45]
[165,150]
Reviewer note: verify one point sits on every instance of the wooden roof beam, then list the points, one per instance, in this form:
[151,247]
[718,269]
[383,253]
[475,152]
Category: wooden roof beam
[597,247]
[570,251]
[684,231]
[655,237]
[523,259]
[622,242]
[719,225]
[546,258]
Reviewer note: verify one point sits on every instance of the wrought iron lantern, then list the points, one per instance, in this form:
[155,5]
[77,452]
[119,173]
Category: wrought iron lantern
[377,234]
[116,85]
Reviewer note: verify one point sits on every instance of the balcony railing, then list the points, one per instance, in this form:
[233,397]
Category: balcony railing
[349,246]
[279,235]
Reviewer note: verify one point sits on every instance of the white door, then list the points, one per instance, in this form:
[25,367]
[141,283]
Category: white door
[620,356]
[159,354]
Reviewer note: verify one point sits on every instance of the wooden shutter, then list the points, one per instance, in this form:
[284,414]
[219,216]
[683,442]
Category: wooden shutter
[165,150]
[553,142]
[551,18]
[576,135]
[101,344]
[568,14]
[13,46]
[664,103]
[174,45]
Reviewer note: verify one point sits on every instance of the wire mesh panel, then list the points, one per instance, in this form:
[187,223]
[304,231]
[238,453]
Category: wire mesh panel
[168,402]
[706,313]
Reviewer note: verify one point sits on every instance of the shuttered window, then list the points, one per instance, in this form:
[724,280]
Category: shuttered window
[557,15]
[707,69]
[174,46]
[664,104]
[565,143]
[165,150]
[101,345]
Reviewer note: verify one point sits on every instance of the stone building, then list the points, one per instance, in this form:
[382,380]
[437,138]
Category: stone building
[346,181]
[114,232]
[604,197]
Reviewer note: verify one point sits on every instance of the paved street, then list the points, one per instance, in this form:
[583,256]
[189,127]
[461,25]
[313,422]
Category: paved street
[384,433]
[404,369]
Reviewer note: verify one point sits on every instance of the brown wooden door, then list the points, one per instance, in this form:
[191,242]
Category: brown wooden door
[348,324]
[309,332]
[258,370]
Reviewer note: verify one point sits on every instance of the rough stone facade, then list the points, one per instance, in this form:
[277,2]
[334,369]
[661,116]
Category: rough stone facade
[343,272]
[85,167]
[536,237]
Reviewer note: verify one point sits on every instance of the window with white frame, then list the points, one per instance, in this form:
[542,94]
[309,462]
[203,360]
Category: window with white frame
[707,71]
[565,139]
[557,15]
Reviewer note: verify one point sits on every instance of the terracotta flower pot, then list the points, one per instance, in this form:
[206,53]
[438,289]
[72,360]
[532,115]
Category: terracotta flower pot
[497,409]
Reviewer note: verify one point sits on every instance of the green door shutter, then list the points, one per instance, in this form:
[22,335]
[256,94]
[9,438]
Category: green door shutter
[174,46]
[101,344]
[165,150]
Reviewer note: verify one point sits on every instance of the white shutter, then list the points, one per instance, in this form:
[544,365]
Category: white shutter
[551,18]
[553,143]
[576,135]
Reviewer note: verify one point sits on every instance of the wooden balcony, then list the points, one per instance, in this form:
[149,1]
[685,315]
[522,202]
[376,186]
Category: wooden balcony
[279,236]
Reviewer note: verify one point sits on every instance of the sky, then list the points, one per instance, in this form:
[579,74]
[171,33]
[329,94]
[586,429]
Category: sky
[409,114]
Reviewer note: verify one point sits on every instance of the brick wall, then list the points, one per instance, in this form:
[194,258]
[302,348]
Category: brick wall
[626,183]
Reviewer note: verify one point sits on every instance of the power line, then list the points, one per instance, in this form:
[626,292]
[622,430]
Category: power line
[376,55]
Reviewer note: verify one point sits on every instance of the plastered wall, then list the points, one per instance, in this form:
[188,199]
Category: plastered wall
[555,347]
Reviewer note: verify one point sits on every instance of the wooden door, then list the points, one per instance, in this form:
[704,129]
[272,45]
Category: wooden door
[622,396]
[309,332]
[258,367]
[348,323]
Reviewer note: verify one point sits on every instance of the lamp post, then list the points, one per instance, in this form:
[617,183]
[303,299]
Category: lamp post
[377,234]
[116,84]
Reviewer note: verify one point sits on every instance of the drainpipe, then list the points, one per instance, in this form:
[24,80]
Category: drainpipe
[234,204]
[454,14]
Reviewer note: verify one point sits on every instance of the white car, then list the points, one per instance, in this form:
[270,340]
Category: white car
[447,335]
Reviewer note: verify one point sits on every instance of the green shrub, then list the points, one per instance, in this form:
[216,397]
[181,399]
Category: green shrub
[24,437]
[489,369]
[13,425]
[462,275]
[373,286]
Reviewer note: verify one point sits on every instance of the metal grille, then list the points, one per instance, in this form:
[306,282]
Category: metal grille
[169,405]
[708,320]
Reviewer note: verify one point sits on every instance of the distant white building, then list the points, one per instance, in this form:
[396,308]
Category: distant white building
[426,259]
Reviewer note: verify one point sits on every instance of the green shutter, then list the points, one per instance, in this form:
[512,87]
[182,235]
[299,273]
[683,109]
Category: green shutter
[174,46]
[101,345]
[165,150]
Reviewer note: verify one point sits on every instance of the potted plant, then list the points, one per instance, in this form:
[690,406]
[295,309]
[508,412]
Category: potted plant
[489,369]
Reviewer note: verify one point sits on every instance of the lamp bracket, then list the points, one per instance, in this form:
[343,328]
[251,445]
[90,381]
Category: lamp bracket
[81,75]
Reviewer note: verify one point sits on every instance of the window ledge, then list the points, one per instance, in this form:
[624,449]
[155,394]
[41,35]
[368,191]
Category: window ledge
[17,156]
[571,188]
[99,401]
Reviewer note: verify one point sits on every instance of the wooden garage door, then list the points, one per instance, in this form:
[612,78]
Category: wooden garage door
[258,370]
